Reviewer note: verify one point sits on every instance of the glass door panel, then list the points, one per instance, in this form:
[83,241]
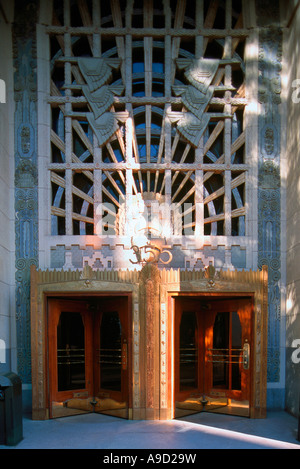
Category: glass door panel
[236,351]
[210,373]
[218,355]
[226,354]
[70,352]
[188,360]
[88,356]
[110,352]
[110,369]
[188,353]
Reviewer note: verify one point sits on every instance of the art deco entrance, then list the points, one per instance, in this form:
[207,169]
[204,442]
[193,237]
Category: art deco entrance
[196,341]
[212,355]
[88,369]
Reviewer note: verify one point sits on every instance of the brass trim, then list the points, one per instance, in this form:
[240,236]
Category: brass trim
[157,287]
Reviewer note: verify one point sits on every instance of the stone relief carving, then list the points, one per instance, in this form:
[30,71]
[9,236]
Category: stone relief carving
[100,95]
[163,357]
[195,97]
[194,100]
[25,140]
[199,72]
[269,196]
[189,126]
[270,58]
[104,126]
[270,146]
[101,99]
[97,72]
[150,343]
[269,175]
[26,174]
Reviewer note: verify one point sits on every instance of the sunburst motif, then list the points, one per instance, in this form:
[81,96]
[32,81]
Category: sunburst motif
[185,98]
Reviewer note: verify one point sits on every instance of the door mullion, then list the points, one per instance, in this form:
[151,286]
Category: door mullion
[230,353]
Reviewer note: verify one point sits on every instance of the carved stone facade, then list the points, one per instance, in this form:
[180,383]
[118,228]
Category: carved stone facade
[26,173]
[269,192]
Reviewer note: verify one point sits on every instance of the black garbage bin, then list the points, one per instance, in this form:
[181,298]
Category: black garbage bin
[11,419]
[299,421]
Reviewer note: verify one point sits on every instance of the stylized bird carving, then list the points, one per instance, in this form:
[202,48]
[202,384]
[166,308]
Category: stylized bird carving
[189,126]
[97,72]
[101,99]
[104,126]
[199,72]
[193,99]
[100,95]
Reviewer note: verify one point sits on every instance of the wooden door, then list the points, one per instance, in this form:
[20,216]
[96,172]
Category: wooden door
[88,364]
[227,353]
[110,336]
[212,355]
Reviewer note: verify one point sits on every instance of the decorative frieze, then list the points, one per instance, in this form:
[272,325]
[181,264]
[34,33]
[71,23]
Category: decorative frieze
[26,174]
[269,187]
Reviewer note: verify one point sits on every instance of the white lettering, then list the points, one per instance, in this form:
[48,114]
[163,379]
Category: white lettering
[107,218]
[296,353]
[2,351]
[2,91]
[295,94]
[113,459]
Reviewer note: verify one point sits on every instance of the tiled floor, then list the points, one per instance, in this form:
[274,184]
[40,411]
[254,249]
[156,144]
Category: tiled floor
[201,431]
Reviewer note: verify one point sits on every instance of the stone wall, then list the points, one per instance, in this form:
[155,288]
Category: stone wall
[26,174]
[292,69]
[7,333]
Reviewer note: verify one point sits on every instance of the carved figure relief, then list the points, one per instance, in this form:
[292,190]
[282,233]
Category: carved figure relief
[189,125]
[150,342]
[25,140]
[270,146]
[269,223]
[26,174]
[199,73]
[100,95]
[195,97]
[102,99]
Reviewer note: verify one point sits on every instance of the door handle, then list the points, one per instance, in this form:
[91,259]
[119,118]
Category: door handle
[246,355]
[124,356]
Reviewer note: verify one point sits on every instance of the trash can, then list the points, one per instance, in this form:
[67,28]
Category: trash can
[11,418]
[299,421]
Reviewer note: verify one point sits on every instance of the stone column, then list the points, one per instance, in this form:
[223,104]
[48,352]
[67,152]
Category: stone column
[26,172]
[149,343]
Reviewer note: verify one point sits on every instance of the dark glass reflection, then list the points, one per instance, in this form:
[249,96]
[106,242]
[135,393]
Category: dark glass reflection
[221,350]
[188,360]
[236,351]
[226,354]
[70,352]
[110,352]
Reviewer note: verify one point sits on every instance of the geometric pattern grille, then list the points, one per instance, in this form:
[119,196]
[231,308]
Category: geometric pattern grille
[145,107]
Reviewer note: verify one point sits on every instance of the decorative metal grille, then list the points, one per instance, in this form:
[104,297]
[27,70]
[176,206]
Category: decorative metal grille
[148,102]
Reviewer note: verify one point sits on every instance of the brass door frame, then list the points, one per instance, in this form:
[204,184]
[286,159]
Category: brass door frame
[229,284]
[69,285]
[81,400]
[204,396]
[151,345]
